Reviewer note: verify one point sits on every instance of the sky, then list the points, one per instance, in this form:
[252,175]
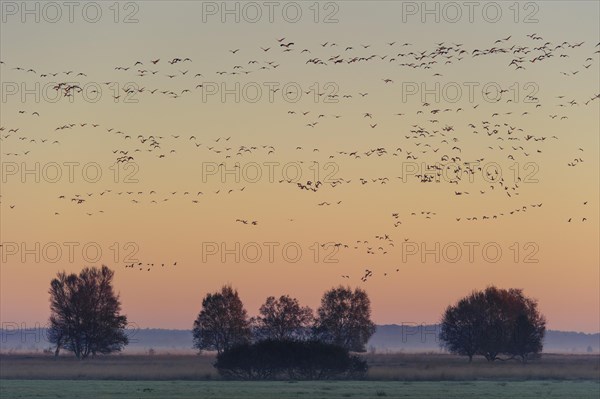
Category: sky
[364,97]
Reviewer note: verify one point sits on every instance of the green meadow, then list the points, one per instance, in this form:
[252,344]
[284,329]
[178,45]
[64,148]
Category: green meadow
[46,389]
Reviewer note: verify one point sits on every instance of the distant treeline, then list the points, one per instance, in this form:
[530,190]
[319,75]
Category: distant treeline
[410,337]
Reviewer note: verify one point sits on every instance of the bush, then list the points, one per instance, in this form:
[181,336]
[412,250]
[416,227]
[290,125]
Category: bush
[296,360]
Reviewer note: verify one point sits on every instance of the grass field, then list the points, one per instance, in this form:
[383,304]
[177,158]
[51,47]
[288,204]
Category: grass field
[390,375]
[382,367]
[10,389]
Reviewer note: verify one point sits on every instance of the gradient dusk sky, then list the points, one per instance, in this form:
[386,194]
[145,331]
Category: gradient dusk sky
[393,91]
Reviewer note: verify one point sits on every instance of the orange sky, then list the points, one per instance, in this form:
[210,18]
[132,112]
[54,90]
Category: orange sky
[552,259]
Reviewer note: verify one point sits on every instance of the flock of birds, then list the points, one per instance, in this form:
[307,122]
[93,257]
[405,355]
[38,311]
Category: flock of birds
[437,135]
[146,266]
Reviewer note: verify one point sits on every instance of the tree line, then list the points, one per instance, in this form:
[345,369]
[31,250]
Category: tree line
[287,337]
[343,319]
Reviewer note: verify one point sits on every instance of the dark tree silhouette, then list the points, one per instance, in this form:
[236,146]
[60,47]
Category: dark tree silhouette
[292,360]
[344,318]
[85,313]
[527,336]
[283,319]
[462,325]
[222,322]
[492,323]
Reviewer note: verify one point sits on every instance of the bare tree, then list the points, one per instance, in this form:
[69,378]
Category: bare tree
[283,319]
[222,323]
[344,318]
[85,313]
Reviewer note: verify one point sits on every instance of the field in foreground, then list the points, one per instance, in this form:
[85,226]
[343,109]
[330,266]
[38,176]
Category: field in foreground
[284,390]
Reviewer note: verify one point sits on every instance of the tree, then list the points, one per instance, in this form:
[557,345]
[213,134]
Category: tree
[461,329]
[344,318]
[283,319]
[496,323]
[492,323]
[85,313]
[222,322]
[527,336]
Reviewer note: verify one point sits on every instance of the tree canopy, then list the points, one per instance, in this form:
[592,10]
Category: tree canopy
[344,318]
[283,319]
[222,322]
[85,313]
[492,323]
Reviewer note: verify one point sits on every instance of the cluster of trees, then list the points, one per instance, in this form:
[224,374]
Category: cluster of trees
[86,318]
[343,319]
[287,338]
[495,323]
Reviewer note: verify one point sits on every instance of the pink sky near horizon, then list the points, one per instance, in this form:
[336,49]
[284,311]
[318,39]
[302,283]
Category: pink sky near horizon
[549,251]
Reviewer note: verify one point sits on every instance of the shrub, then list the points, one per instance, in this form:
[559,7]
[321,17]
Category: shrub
[300,360]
